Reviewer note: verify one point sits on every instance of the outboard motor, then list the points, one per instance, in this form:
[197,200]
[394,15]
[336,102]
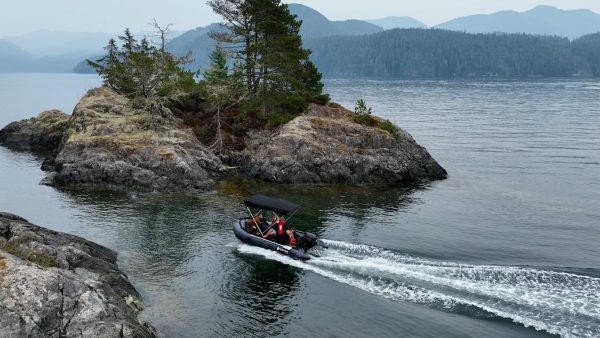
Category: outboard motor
[307,241]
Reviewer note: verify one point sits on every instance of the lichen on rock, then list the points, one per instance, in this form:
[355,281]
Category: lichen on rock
[42,133]
[325,146]
[84,295]
[109,143]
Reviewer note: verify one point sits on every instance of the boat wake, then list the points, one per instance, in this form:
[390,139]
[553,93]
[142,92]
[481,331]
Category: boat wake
[556,302]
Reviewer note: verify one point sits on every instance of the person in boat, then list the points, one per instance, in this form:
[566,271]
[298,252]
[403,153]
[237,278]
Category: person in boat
[257,222]
[280,233]
[253,223]
[293,239]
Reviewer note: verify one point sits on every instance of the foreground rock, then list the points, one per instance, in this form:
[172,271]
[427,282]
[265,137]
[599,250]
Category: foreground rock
[58,285]
[325,147]
[109,143]
[42,133]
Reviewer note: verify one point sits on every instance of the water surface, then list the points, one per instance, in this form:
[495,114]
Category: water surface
[506,247]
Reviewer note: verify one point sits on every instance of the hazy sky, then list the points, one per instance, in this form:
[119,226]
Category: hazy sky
[23,16]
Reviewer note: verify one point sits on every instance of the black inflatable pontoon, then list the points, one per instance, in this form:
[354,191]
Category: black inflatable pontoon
[306,240]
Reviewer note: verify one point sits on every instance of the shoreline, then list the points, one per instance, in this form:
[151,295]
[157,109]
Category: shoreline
[55,283]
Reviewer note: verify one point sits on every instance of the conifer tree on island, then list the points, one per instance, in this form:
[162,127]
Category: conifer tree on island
[268,81]
[148,75]
[264,37]
[222,91]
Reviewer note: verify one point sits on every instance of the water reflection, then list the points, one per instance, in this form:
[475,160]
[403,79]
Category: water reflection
[262,296]
[159,228]
[321,203]
[182,253]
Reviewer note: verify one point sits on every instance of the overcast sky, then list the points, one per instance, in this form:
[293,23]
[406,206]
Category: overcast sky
[23,16]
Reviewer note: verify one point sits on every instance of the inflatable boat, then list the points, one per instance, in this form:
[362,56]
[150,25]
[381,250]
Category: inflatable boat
[268,213]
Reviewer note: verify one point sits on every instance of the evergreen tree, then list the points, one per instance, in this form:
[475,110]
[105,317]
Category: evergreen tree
[266,39]
[141,71]
[129,41]
[222,91]
[218,69]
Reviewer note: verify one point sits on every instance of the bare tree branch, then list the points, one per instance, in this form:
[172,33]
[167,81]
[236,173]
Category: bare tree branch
[162,33]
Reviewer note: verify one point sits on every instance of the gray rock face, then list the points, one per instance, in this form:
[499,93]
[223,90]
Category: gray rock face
[58,285]
[42,133]
[108,143]
[325,147]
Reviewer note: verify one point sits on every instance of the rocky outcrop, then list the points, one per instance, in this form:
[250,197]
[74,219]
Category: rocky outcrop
[325,146]
[42,133]
[58,285]
[107,142]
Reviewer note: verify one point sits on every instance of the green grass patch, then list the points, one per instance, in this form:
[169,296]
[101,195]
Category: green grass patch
[387,126]
[40,259]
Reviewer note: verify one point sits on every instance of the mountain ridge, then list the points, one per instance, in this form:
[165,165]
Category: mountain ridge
[12,57]
[391,22]
[316,25]
[540,20]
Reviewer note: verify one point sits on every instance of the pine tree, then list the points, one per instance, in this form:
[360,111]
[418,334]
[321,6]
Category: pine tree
[265,36]
[141,71]
[129,41]
[218,69]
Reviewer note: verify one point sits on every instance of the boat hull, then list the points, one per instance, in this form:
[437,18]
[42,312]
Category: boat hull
[248,238]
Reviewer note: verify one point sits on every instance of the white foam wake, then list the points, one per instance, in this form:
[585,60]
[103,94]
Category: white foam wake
[556,302]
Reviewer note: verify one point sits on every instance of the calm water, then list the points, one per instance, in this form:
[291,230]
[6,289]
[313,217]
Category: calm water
[506,247]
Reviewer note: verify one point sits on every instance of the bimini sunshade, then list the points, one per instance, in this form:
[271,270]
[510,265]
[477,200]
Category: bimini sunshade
[278,205]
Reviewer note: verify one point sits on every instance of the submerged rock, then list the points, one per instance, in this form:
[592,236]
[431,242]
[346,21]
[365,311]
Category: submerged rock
[57,285]
[109,143]
[42,133]
[325,146]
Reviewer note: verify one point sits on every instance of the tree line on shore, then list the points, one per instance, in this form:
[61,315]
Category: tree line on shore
[434,53]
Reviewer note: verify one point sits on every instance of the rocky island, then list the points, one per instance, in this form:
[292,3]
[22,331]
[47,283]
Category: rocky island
[105,142]
[57,285]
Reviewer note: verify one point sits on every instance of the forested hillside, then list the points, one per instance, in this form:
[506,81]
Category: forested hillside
[432,53]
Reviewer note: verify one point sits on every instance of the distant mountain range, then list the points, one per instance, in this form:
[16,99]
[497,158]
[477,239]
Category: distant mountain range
[542,20]
[15,59]
[47,51]
[316,25]
[392,22]
[51,51]
[12,58]
[198,42]
[54,43]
